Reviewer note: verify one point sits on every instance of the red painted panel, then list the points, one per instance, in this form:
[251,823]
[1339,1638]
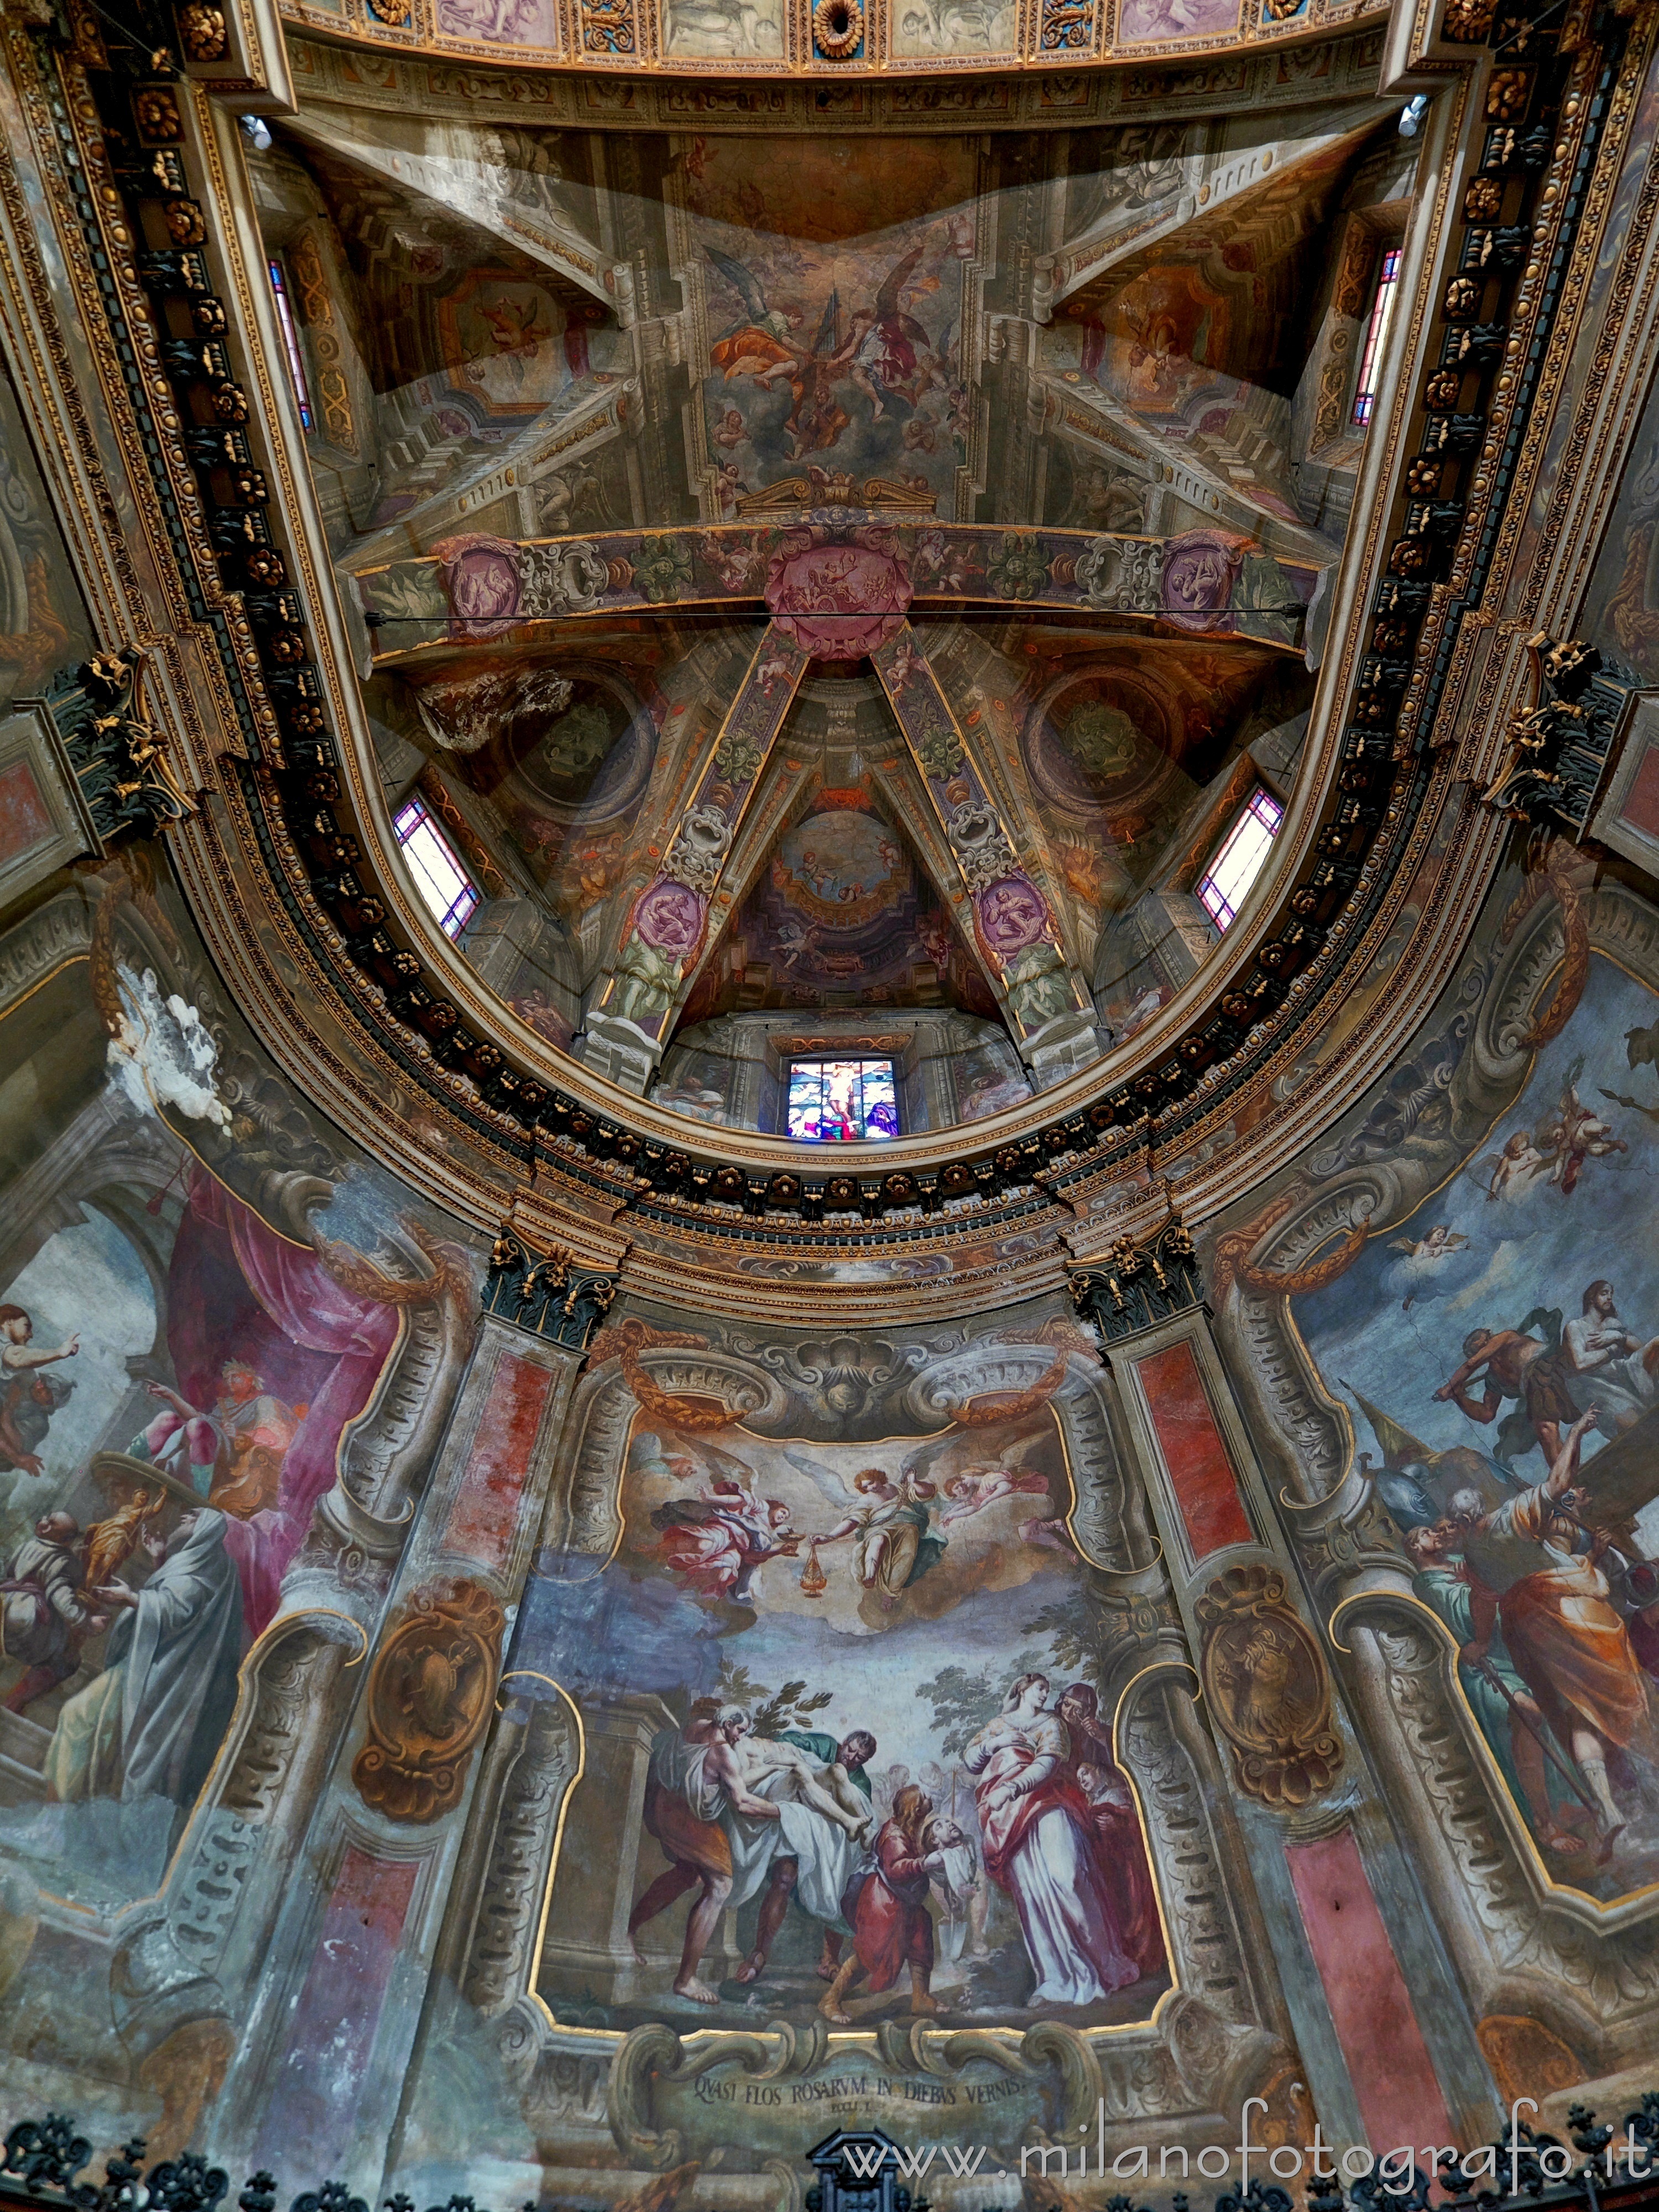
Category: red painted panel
[25,821]
[310,2124]
[1641,806]
[486,1507]
[1400,2100]
[1201,1473]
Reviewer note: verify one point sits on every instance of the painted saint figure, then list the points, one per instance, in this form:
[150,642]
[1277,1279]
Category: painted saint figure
[692,1778]
[152,1723]
[890,1521]
[28,1398]
[1511,1717]
[232,1456]
[45,1613]
[1606,1363]
[1039,1848]
[1120,1848]
[887,1906]
[1566,1638]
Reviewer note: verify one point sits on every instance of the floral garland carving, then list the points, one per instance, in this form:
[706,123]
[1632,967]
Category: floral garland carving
[1232,1263]
[1559,871]
[625,1341]
[353,1271]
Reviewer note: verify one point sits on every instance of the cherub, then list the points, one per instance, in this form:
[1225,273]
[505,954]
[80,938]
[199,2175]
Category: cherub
[982,1485]
[1441,1238]
[1050,1534]
[1426,1253]
[732,429]
[1579,1134]
[1513,1171]
[773,671]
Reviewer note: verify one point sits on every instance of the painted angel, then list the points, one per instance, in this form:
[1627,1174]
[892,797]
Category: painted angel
[1577,1134]
[817,418]
[1509,1175]
[1419,1273]
[715,1540]
[985,1483]
[888,1520]
[888,353]
[759,343]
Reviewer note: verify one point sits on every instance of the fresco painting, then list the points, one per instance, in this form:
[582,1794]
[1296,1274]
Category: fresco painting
[955,27]
[1158,20]
[707,28]
[1500,1351]
[43,620]
[188,1335]
[863,1689]
[835,336]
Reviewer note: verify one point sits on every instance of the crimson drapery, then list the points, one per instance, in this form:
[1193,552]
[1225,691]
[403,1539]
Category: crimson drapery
[239,1291]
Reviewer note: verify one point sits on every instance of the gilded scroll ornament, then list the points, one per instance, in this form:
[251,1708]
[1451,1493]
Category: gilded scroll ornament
[121,762]
[1136,1286]
[1268,1688]
[546,1293]
[430,1695]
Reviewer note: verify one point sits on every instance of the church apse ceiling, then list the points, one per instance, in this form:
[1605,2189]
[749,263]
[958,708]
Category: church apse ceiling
[756,566]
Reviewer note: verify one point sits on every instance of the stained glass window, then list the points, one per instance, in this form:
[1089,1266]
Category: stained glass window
[440,877]
[296,359]
[1238,860]
[1377,332]
[835,1102]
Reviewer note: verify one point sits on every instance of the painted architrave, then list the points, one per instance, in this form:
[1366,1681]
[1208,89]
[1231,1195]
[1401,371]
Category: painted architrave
[667,932]
[1139,1382]
[1208,1496]
[1202,1480]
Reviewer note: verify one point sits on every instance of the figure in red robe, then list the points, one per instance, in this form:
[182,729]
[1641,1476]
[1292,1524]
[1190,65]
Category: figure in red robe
[886,1903]
[1120,1850]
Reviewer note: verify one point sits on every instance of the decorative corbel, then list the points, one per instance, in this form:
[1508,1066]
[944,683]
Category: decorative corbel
[1139,1283]
[545,1293]
[126,780]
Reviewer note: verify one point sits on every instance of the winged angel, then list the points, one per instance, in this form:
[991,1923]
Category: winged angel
[715,1540]
[1557,1151]
[888,1520]
[885,353]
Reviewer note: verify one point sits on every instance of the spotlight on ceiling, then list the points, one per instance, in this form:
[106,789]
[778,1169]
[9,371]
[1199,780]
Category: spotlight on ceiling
[1411,115]
[260,135]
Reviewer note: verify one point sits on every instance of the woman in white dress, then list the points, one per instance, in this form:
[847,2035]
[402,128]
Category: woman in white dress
[1038,1847]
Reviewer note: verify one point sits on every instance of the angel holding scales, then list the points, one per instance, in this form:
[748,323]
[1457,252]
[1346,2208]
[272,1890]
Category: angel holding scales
[889,1519]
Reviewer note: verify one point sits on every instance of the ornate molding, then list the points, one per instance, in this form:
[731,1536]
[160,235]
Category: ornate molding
[1556,752]
[604,1165]
[1141,1281]
[123,767]
[430,1691]
[1265,1679]
[546,1294]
